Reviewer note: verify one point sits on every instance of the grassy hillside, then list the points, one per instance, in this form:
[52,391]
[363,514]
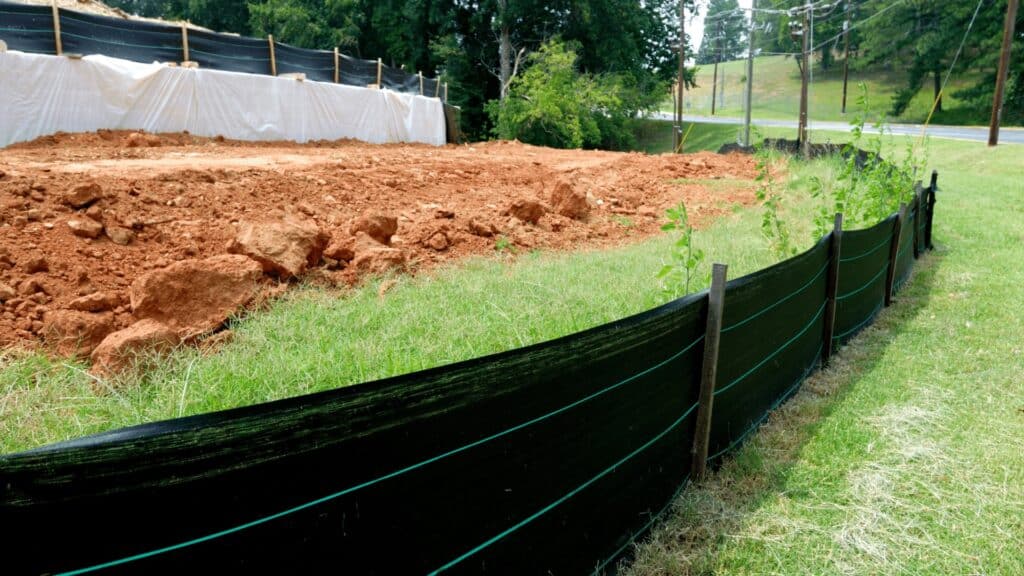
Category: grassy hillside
[777,93]
[904,457]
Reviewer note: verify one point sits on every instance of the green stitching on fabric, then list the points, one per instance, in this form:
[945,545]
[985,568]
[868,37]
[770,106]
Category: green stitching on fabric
[773,354]
[567,496]
[766,309]
[379,479]
[774,405]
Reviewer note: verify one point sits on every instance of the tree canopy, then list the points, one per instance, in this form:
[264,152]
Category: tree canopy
[725,33]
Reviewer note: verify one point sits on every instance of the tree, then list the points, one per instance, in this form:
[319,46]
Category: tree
[725,33]
[552,103]
[923,37]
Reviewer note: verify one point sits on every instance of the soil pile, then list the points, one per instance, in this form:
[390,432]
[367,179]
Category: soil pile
[98,232]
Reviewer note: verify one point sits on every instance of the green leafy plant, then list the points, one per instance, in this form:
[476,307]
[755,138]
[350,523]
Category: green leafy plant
[679,275]
[773,227]
[502,245]
[866,190]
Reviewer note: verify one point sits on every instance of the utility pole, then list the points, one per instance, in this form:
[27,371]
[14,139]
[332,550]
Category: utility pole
[1004,65]
[714,83]
[750,76]
[677,137]
[804,77]
[846,52]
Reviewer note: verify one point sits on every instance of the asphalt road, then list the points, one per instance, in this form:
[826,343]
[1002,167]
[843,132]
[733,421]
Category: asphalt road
[973,133]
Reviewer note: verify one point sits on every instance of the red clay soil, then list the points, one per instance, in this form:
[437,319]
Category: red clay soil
[173,197]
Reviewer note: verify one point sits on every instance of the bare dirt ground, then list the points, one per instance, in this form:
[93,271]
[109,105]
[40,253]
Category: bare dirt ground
[165,198]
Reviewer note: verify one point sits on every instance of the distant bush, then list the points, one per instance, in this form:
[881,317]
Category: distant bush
[552,103]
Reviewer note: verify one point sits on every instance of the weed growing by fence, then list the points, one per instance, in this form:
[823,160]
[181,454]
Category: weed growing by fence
[686,260]
[772,226]
[866,190]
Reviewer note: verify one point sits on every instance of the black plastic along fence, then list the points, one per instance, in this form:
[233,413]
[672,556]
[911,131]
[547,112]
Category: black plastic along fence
[30,28]
[548,459]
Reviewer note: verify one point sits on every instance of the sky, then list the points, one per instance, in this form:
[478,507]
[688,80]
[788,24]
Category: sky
[695,24]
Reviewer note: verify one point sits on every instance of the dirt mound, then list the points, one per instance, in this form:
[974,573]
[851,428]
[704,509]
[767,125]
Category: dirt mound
[189,197]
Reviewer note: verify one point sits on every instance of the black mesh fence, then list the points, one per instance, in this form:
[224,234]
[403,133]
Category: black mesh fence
[550,459]
[30,28]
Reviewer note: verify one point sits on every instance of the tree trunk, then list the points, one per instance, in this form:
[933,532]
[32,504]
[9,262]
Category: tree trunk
[504,49]
[505,55]
[938,90]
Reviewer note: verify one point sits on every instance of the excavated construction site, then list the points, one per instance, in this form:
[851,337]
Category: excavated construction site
[115,242]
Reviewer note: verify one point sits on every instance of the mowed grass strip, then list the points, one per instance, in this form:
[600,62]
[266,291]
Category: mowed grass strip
[906,456]
[315,339]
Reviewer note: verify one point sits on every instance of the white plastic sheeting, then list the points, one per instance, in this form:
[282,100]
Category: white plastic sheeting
[41,95]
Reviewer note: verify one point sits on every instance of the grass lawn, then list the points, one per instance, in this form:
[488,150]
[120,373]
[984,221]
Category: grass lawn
[906,457]
[777,93]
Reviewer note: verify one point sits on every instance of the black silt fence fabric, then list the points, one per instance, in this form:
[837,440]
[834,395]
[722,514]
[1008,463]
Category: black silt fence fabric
[398,81]
[905,256]
[27,28]
[432,88]
[356,72]
[126,39]
[772,329]
[863,266]
[227,52]
[315,64]
[543,460]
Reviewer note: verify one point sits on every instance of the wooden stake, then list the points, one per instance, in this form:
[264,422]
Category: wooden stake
[446,92]
[709,371]
[380,73]
[337,66]
[420,74]
[894,251]
[273,59]
[832,288]
[184,42]
[56,28]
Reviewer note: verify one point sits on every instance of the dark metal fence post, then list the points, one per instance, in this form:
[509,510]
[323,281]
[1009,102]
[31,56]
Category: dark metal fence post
[931,210]
[709,370]
[918,191]
[894,251]
[832,288]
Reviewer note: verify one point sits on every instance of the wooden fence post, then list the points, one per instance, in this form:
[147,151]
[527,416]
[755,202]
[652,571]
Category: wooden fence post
[931,210]
[380,73]
[337,67]
[273,59]
[437,87]
[832,288]
[420,74]
[894,251]
[446,92]
[59,46]
[709,370]
[184,42]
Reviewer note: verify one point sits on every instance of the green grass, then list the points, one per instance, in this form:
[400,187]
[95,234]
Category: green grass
[314,340]
[776,93]
[906,456]
[655,136]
